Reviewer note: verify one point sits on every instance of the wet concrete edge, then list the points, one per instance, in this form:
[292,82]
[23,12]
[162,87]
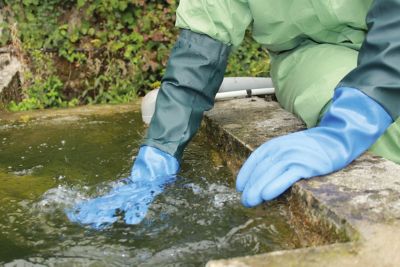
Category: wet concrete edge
[347,208]
[68,113]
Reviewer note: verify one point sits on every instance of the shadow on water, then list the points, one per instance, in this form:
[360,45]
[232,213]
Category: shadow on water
[48,165]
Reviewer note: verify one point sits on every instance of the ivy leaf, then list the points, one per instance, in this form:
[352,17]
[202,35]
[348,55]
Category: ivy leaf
[96,42]
[85,27]
[30,2]
[81,3]
[127,18]
[123,5]
[91,31]
[115,46]
[74,37]
[30,16]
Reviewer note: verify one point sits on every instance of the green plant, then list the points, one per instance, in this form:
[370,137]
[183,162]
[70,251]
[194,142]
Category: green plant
[249,59]
[43,94]
[105,51]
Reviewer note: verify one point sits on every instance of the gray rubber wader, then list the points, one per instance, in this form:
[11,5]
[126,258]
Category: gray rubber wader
[378,71]
[193,76]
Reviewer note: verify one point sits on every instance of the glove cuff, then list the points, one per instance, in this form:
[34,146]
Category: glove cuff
[351,125]
[152,163]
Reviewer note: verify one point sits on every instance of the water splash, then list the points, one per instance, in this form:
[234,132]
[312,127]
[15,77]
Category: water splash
[60,198]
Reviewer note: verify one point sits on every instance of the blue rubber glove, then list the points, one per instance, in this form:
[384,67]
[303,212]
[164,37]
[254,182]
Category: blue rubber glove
[350,126]
[152,170]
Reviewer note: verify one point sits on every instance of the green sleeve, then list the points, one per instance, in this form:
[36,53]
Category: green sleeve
[223,20]
[378,70]
[193,76]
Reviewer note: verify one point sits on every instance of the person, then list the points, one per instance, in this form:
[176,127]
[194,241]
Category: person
[335,64]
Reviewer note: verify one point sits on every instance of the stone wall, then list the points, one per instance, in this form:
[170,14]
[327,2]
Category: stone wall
[10,85]
[360,204]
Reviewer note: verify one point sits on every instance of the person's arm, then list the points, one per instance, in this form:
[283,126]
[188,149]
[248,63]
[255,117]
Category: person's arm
[195,69]
[194,74]
[378,71]
[364,105]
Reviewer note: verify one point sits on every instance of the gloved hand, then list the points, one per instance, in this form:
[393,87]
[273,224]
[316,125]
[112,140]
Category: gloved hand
[350,126]
[152,170]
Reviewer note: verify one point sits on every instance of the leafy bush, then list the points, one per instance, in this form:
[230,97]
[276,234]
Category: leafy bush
[102,51]
[43,94]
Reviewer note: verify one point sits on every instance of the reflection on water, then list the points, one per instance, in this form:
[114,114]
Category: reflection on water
[47,166]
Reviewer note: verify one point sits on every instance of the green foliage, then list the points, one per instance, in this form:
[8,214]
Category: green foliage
[248,60]
[4,34]
[103,51]
[43,94]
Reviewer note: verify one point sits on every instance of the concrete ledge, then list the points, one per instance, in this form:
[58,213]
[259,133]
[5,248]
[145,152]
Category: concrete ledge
[69,113]
[360,203]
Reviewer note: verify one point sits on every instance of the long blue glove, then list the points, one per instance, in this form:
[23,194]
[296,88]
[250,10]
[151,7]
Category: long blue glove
[350,126]
[152,170]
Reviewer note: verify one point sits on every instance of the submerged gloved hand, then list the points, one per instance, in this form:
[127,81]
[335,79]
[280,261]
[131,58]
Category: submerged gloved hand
[350,126]
[152,170]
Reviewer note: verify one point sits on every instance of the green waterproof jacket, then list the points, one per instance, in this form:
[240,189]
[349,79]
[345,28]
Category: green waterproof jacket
[279,25]
[314,45]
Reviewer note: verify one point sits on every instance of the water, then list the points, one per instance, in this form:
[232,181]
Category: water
[48,165]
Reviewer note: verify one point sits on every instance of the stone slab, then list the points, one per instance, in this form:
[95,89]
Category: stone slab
[68,114]
[362,201]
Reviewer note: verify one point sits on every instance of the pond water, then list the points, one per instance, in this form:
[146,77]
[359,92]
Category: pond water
[48,165]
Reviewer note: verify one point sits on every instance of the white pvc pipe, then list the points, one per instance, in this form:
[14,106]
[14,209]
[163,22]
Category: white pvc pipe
[244,93]
[149,105]
[231,87]
[230,84]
